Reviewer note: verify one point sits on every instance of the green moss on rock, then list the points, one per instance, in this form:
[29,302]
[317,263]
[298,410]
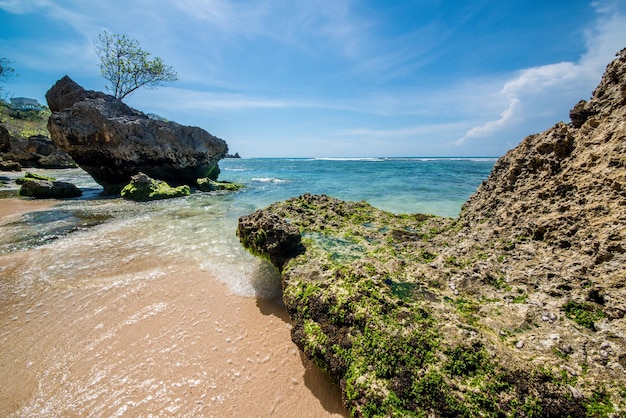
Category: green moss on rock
[372,302]
[207,184]
[143,188]
[33,176]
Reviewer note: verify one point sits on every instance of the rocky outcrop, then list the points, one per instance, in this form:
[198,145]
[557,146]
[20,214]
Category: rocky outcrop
[37,151]
[113,142]
[516,308]
[143,188]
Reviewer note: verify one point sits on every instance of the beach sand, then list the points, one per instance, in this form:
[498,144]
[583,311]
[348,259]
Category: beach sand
[167,341]
[14,207]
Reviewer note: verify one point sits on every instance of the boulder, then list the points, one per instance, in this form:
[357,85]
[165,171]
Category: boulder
[113,142]
[208,185]
[143,188]
[47,189]
[269,236]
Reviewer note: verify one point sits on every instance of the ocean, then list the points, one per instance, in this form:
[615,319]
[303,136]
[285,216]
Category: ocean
[202,226]
[116,308]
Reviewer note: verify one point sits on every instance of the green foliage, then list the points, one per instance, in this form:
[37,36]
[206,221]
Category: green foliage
[584,314]
[466,361]
[599,405]
[128,67]
[24,123]
[427,257]
[432,394]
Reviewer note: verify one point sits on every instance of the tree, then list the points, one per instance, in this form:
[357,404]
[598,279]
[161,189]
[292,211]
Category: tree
[128,67]
[6,72]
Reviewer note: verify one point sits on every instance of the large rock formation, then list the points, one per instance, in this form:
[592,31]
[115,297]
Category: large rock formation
[516,308]
[113,142]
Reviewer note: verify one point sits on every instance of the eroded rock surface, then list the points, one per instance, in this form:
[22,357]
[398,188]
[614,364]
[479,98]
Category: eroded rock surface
[113,142]
[37,151]
[142,188]
[516,308]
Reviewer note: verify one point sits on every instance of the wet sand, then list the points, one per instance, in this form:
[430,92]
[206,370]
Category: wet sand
[164,341]
[14,207]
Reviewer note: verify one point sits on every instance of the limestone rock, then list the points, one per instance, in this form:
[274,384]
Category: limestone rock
[270,236]
[516,308]
[143,188]
[113,142]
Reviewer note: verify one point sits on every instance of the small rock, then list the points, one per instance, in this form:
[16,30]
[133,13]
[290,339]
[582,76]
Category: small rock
[519,344]
[575,392]
[46,189]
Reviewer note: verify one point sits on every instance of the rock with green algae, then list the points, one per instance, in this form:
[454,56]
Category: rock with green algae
[371,307]
[143,188]
[33,176]
[48,189]
[207,184]
[516,308]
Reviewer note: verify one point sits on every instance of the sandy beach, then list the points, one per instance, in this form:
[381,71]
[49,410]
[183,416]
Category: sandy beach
[14,207]
[159,340]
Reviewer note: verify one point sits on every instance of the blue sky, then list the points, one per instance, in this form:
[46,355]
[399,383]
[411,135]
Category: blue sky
[321,78]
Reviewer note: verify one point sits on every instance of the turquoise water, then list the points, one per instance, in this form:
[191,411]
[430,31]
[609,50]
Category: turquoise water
[400,185]
[80,239]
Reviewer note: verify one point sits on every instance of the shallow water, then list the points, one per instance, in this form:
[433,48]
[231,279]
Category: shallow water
[117,308]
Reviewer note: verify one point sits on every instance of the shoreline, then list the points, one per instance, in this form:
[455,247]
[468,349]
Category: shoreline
[165,338]
[15,206]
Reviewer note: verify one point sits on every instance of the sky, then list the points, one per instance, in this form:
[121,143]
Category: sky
[340,78]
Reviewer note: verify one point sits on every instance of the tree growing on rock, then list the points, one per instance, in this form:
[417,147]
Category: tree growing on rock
[128,67]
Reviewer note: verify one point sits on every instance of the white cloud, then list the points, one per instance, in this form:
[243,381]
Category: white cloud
[535,91]
[491,126]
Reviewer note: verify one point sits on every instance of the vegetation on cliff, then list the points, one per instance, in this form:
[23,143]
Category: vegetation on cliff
[516,308]
[24,123]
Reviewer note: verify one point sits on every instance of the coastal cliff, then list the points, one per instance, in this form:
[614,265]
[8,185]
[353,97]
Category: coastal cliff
[516,308]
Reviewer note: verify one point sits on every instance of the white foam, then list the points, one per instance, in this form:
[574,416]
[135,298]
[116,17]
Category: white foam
[269,180]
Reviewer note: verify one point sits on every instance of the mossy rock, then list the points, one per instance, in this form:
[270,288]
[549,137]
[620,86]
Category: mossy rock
[46,189]
[207,184]
[33,176]
[370,302]
[143,188]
